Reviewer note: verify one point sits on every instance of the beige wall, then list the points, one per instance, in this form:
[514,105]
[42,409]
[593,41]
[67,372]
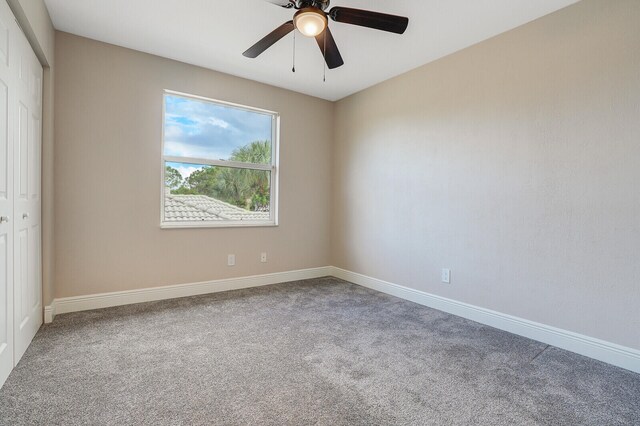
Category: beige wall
[515,163]
[107,178]
[33,17]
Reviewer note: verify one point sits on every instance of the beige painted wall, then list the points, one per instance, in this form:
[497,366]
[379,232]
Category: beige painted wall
[33,17]
[515,163]
[107,178]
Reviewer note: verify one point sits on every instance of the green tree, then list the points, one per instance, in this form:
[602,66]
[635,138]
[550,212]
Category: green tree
[256,152]
[203,181]
[253,185]
[172,178]
[244,188]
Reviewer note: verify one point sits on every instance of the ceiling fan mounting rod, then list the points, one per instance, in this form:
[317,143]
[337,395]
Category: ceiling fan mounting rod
[318,4]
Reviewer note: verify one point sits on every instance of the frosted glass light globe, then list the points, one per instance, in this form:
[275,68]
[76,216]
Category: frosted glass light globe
[310,21]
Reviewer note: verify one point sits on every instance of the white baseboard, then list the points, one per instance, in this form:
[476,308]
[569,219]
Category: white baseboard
[49,312]
[105,300]
[601,350]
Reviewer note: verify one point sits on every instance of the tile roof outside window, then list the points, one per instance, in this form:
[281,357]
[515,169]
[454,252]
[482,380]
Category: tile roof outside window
[180,208]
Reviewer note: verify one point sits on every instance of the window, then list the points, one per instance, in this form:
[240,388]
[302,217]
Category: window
[219,164]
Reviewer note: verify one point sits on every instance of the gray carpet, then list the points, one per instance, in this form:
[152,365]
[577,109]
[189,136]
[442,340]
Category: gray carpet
[320,352]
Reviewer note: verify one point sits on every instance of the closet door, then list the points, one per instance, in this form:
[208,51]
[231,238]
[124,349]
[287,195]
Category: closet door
[27,272]
[6,192]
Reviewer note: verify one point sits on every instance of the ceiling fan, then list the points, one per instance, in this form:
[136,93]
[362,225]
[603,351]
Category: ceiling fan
[311,19]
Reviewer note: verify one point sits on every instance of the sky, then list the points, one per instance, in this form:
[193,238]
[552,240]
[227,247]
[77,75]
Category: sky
[194,128]
[184,168]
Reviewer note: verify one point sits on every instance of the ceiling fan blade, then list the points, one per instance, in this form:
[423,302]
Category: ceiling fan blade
[269,40]
[332,55]
[366,18]
[282,3]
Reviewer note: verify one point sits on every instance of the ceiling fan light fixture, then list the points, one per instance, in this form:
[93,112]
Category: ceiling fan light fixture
[310,21]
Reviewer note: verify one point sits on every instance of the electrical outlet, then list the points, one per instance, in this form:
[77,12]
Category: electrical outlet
[446,276]
[231,260]
[263,257]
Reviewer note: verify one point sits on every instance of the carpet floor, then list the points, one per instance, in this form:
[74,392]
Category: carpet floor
[316,352]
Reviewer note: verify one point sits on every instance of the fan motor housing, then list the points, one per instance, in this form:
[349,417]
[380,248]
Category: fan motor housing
[320,4]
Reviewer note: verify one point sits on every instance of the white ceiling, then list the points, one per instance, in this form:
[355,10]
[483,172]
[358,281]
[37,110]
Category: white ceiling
[214,33]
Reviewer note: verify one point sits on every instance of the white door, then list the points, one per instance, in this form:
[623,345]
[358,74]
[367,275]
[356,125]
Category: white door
[6,193]
[27,271]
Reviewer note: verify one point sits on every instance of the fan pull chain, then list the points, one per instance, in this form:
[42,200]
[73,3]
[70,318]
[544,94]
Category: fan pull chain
[294,52]
[324,54]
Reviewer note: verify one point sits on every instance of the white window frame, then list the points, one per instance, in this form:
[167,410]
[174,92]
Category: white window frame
[273,168]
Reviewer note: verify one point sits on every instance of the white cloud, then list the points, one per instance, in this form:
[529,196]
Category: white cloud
[179,149]
[186,171]
[218,122]
[172,132]
[199,129]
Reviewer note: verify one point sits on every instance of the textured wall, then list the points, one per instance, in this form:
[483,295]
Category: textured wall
[107,178]
[515,163]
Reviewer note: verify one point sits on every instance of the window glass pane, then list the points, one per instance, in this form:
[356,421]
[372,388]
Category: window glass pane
[200,129]
[196,192]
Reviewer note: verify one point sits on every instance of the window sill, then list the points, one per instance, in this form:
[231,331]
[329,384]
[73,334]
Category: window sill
[193,225]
